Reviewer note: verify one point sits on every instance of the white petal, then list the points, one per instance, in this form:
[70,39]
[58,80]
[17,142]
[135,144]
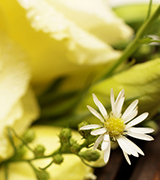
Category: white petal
[106,142]
[130,116]
[107,153]
[98,131]
[100,106]
[127,157]
[137,120]
[120,95]
[140,130]
[118,106]
[123,143]
[112,101]
[95,113]
[140,136]
[130,108]
[90,126]
[119,102]
[134,146]
[98,141]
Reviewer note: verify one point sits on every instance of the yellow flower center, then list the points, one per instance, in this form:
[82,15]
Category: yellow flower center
[114,126]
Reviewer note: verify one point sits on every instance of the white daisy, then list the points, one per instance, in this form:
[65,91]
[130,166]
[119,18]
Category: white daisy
[116,126]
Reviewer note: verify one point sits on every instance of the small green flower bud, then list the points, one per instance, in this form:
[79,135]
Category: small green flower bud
[29,136]
[42,175]
[65,135]
[90,155]
[75,148]
[85,133]
[72,141]
[21,151]
[39,150]
[57,159]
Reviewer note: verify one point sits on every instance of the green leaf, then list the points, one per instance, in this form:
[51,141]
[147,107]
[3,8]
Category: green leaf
[142,82]
[134,14]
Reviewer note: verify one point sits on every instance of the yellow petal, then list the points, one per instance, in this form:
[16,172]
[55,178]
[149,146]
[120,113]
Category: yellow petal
[14,82]
[92,16]
[72,168]
[14,75]
[52,17]
[51,58]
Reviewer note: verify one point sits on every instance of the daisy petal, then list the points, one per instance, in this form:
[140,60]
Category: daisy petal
[119,103]
[140,136]
[118,106]
[98,141]
[137,120]
[134,146]
[130,116]
[95,113]
[106,142]
[140,130]
[90,126]
[107,153]
[127,157]
[123,143]
[120,95]
[98,131]
[112,101]
[130,108]
[100,106]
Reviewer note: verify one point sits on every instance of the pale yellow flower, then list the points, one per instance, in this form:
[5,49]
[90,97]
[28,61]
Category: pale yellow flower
[17,102]
[64,37]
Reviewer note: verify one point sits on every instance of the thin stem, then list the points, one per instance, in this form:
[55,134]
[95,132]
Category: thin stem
[6,171]
[47,165]
[130,49]
[11,140]
[34,158]
[149,9]
[22,141]
[35,170]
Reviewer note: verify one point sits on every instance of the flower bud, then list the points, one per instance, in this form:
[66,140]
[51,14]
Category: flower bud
[75,148]
[42,175]
[90,155]
[29,136]
[21,151]
[65,135]
[39,150]
[57,159]
[85,133]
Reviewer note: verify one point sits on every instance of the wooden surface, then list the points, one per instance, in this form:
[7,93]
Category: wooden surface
[143,168]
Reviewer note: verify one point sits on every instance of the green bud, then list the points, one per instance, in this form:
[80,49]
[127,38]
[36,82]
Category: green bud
[57,159]
[75,148]
[89,155]
[21,151]
[65,135]
[39,150]
[29,136]
[84,133]
[42,175]
[72,141]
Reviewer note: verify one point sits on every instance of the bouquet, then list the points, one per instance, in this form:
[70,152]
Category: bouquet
[79,78]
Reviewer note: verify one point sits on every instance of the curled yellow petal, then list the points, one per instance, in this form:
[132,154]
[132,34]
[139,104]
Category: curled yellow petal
[14,81]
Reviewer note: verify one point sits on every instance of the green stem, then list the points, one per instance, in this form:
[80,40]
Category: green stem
[149,9]
[6,171]
[130,49]
[22,141]
[11,140]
